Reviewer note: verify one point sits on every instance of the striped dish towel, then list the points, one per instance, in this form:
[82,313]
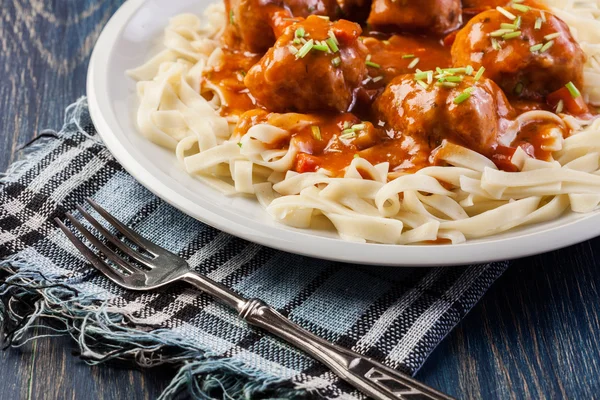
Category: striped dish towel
[394,315]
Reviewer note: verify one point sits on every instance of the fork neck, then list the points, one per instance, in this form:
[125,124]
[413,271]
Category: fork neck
[221,292]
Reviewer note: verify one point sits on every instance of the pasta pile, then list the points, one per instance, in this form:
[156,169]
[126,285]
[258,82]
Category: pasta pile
[468,199]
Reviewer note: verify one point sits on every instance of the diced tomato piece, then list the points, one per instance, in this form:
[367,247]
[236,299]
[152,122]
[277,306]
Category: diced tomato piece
[449,39]
[575,106]
[306,163]
[502,158]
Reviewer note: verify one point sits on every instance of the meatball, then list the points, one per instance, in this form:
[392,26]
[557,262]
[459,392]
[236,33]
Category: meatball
[254,25]
[436,16]
[319,75]
[469,113]
[529,59]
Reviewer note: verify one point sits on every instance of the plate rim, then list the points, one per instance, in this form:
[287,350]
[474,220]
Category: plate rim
[314,246]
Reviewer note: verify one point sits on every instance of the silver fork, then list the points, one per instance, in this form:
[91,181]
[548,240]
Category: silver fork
[161,267]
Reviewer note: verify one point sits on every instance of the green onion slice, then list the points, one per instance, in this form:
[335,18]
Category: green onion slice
[413,63]
[292,49]
[547,46]
[316,132]
[422,84]
[304,50]
[463,96]
[500,32]
[408,56]
[536,47]
[372,64]
[552,36]
[506,13]
[320,46]
[538,23]
[336,61]
[332,45]
[573,90]
[521,7]
[231,19]
[479,74]
[511,35]
[299,33]
[469,70]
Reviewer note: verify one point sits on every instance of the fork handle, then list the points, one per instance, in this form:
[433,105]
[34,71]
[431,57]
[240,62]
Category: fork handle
[370,377]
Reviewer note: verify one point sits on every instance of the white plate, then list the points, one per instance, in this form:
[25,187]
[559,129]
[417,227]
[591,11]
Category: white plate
[130,37]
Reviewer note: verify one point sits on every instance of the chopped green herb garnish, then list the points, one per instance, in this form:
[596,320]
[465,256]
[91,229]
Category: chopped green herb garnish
[429,77]
[299,33]
[547,46]
[447,84]
[506,13]
[511,35]
[332,36]
[552,36]
[518,22]
[479,74]
[372,64]
[519,88]
[408,56]
[439,70]
[463,96]
[239,145]
[356,155]
[422,84]
[414,63]
[292,49]
[303,40]
[469,70]
[452,71]
[231,19]
[336,61]
[320,46]
[559,106]
[573,90]
[536,47]
[377,78]
[358,127]
[495,44]
[512,27]
[538,24]
[500,32]
[316,132]
[304,50]
[347,135]
[297,41]
[454,79]
[332,45]
[543,15]
[521,7]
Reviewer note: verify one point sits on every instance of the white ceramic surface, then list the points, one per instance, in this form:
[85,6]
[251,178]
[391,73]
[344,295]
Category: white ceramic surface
[133,34]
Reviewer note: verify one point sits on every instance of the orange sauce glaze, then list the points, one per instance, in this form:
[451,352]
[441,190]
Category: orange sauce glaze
[376,143]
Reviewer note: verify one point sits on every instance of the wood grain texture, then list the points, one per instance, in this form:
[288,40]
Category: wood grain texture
[536,333]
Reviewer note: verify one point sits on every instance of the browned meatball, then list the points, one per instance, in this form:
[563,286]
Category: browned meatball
[515,60]
[436,113]
[288,79]
[254,25]
[437,16]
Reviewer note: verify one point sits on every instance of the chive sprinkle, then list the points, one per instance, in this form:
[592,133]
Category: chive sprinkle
[422,84]
[296,41]
[372,64]
[239,145]
[292,49]
[336,61]
[429,77]
[479,74]
[408,56]
[573,90]
[454,79]
[304,50]
[547,46]
[536,47]
[347,130]
[543,15]
[320,46]
[452,71]
[518,1]
[231,19]
[413,63]
[519,88]
[332,45]
[495,44]
[316,132]
[512,27]
[506,13]
[303,40]
[518,22]
[559,106]
[552,36]
[463,96]
[377,78]
[521,7]
[421,75]
[469,70]
[332,36]
[358,127]
[538,24]
[501,32]
[511,35]
[348,135]
[299,33]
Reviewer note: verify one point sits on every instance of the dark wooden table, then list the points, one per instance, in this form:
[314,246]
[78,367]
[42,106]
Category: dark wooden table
[536,333]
